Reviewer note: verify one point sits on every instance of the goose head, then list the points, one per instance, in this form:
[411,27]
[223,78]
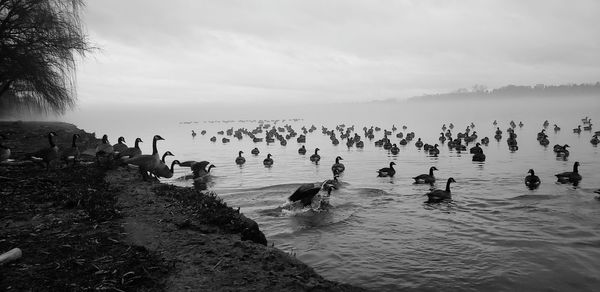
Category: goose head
[121,140]
[105,139]
[157,137]
[531,172]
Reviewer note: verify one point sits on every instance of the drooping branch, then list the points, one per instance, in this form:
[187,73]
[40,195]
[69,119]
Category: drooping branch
[38,43]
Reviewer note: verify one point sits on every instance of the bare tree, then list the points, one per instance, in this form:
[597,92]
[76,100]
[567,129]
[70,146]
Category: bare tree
[38,43]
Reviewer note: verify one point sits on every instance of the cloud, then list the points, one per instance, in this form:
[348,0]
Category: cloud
[308,51]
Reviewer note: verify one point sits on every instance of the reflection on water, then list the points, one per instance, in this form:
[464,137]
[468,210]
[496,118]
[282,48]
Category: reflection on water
[379,232]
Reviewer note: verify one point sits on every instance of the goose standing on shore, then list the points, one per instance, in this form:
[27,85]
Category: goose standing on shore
[268,161]
[120,147]
[4,153]
[532,181]
[47,155]
[438,195]
[426,178]
[338,167]
[73,152]
[387,171]
[147,162]
[240,159]
[131,151]
[104,150]
[315,157]
[570,176]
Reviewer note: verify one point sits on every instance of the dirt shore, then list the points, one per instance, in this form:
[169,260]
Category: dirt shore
[86,227]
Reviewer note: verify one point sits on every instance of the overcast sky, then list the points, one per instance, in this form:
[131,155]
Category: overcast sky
[310,51]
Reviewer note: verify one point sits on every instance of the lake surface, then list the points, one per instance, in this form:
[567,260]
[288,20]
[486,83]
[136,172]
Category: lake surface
[379,233]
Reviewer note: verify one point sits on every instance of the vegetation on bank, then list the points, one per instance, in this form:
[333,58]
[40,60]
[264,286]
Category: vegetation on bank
[517,91]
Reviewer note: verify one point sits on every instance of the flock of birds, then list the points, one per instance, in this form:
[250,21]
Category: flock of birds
[154,165]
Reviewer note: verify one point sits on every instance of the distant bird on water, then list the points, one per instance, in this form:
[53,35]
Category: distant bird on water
[532,181]
[268,161]
[240,159]
[315,157]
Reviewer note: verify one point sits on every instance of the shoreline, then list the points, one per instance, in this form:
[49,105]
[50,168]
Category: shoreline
[83,227]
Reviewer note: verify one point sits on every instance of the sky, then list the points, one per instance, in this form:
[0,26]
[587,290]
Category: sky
[295,52]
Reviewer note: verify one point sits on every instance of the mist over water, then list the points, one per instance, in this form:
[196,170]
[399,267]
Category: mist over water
[495,235]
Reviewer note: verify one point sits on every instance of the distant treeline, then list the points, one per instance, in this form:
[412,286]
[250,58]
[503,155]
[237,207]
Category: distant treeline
[517,91]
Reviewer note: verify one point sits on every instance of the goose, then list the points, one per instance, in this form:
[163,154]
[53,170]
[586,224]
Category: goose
[131,151]
[193,134]
[338,167]
[521,124]
[104,149]
[47,155]
[532,181]
[147,162]
[213,139]
[4,153]
[546,124]
[120,146]
[480,157]
[438,195]
[556,128]
[387,171]
[577,130]
[395,150]
[302,150]
[73,152]
[315,157]
[561,150]
[476,149]
[595,140]
[419,143]
[165,171]
[544,141]
[588,127]
[426,178]
[162,167]
[306,192]
[570,176]
[434,150]
[268,161]
[442,138]
[255,151]
[240,159]
[198,167]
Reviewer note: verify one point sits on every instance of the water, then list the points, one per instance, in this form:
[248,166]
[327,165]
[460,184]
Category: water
[378,233]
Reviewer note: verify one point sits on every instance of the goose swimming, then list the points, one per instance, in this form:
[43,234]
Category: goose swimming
[240,159]
[438,195]
[532,181]
[315,157]
[570,176]
[426,178]
[387,171]
[338,167]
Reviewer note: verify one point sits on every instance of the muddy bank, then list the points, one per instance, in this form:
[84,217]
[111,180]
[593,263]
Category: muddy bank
[86,227]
